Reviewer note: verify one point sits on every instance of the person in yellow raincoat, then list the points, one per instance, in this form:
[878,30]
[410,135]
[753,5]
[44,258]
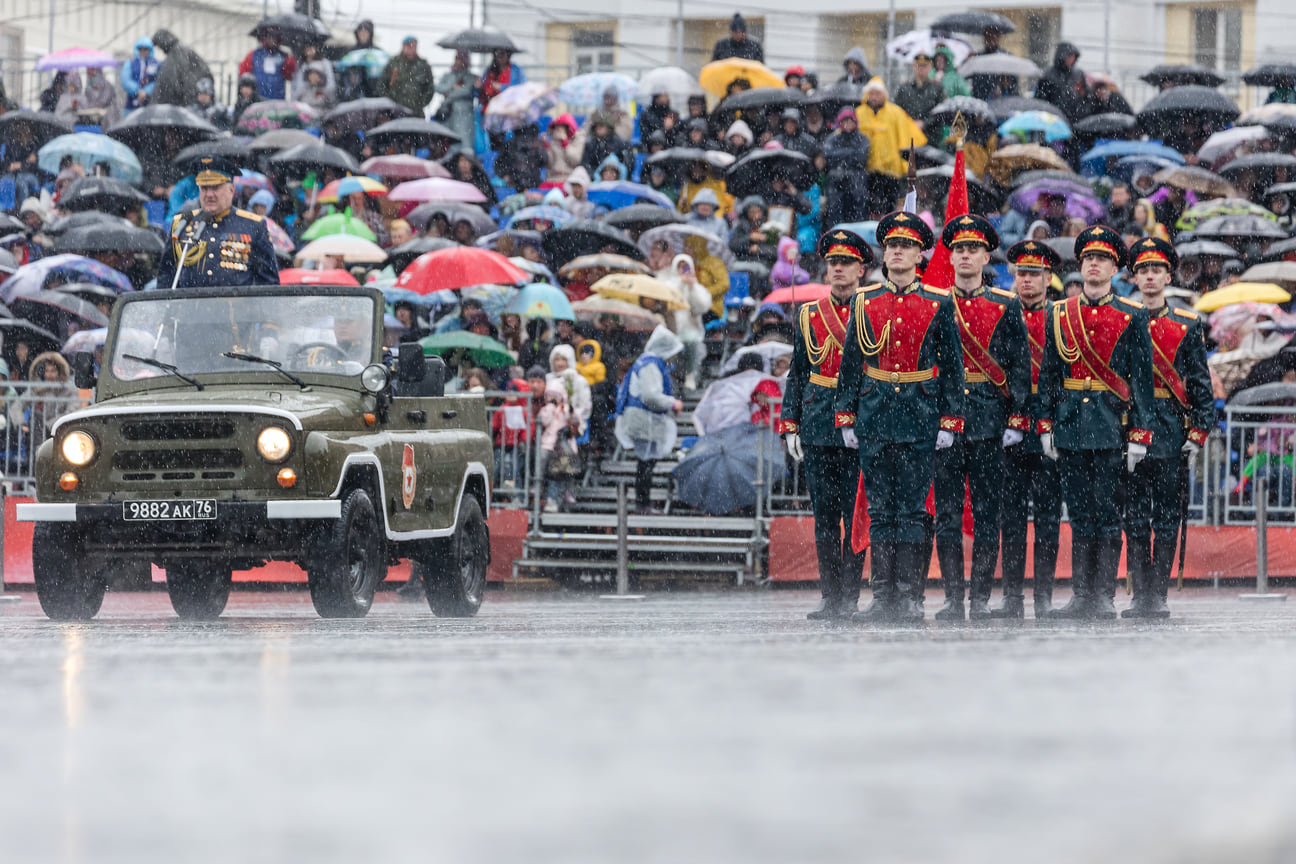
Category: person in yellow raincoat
[711,271]
[698,177]
[890,131]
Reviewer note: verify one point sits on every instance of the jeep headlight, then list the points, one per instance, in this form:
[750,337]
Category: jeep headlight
[78,448]
[374,378]
[274,444]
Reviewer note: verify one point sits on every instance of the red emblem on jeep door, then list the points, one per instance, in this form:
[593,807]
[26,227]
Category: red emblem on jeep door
[409,477]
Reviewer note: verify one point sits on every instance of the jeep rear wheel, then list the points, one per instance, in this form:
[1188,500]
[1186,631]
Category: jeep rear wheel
[454,574]
[68,586]
[348,561]
[198,589]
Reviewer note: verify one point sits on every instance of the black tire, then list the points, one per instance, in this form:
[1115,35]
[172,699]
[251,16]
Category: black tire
[454,574]
[198,589]
[349,560]
[68,585]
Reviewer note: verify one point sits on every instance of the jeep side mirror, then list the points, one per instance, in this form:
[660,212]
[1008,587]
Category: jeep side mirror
[411,365]
[83,370]
[434,378]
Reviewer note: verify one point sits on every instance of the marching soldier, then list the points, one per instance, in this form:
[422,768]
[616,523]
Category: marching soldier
[1183,409]
[899,399]
[832,469]
[1029,478]
[215,244]
[1096,389]
[996,379]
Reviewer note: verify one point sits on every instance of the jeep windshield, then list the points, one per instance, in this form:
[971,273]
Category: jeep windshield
[326,334]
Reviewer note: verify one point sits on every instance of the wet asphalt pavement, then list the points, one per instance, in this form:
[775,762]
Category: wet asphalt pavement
[697,727]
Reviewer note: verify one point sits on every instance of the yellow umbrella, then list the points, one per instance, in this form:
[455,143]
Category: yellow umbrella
[719,74]
[1241,292]
[634,287]
[606,260]
[1018,157]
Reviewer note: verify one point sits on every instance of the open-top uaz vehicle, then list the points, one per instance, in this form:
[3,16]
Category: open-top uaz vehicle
[232,427]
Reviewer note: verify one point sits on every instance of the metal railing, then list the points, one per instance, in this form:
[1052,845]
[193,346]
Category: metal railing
[28,410]
[1259,442]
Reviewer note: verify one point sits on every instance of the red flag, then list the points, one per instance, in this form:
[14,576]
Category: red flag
[939,272]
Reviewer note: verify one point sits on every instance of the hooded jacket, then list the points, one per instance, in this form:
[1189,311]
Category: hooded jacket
[322,97]
[597,149]
[139,75]
[786,272]
[1065,87]
[798,141]
[611,162]
[715,223]
[574,385]
[740,241]
[857,54]
[889,129]
[562,159]
[747,49]
[743,131]
[408,82]
[645,422]
[951,81]
[593,370]
[180,72]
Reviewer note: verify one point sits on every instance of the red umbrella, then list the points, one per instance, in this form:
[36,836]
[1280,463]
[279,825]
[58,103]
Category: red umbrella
[402,166]
[448,269]
[437,189]
[798,293]
[293,276]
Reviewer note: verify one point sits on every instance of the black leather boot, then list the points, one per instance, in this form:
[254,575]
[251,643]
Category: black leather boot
[984,556]
[882,581]
[1102,599]
[851,577]
[825,611]
[1014,580]
[829,583]
[1011,608]
[1163,559]
[908,609]
[950,558]
[1046,554]
[1138,564]
[1082,570]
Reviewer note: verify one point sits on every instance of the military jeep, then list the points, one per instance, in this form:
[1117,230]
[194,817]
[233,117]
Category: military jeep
[233,427]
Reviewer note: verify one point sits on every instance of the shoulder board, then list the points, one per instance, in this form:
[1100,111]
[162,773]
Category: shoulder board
[1128,302]
[1002,293]
[1185,313]
[248,215]
[873,287]
[939,292]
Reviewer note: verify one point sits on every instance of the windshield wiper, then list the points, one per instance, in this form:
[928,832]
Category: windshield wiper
[275,364]
[165,367]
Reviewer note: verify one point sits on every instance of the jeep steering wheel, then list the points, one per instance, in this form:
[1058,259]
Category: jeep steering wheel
[330,354]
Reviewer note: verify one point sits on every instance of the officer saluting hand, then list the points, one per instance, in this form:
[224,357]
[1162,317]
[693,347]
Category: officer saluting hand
[216,245]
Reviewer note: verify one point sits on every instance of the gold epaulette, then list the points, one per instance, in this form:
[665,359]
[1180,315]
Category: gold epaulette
[1185,313]
[939,292]
[1002,293]
[247,215]
[1128,302]
[864,288]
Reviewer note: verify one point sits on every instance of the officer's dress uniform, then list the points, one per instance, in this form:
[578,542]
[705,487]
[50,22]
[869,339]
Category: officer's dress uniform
[232,248]
[1096,382]
[996,378]
[1030,480]
[901,382]
[1183,409]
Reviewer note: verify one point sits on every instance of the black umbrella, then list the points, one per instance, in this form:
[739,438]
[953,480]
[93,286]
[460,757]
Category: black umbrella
[640,217]
[1242,226]
[148,130]
[54,309]
[453,211]
[999,63]
[89,291]
[401,256]
[1047,174]
[1280,249]
[414,132]
[1111,123]
[753,173]
[63,224]
[1258,162]
[1063,246]
[38,339]
[106,194]
[1206,247]
[1272,75]
[479,40]
[278,140]
[586,237]
[10,224]
[761,98]
[364,113]
[1010,105]
[836,96]
[973,110]
[675,158]
[1170,107]
[295,30]
[42,126]
[234,148]
[973,21]
[8,263]
[108,237]
[928,156]
[1177,74]
[307,157]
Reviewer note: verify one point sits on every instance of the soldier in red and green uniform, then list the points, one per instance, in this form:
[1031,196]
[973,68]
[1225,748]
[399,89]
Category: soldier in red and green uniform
[900,399]
[1096,388]
[1031,487]
[1183,410]
[807,424]
[996,387]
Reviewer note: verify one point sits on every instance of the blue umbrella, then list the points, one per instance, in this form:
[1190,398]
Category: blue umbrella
[1128,166]
[372,60]
[615,194]
[1093,163]
[539,300]
[1053,127]
[586,91]
[719,473]
[88,149]
[35,276]
[548,213]
[392,294]
[866,229]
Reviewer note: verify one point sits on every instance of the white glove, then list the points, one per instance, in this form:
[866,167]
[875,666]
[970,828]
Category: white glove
[1012,437]
[1046,442]
[1191,449]
[793,441]
[944,439]
[849,439]
[1134,455]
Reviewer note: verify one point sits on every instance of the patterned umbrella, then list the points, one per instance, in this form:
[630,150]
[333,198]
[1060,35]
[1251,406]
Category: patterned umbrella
[361,114]
[586,91]
[338,223]
[1081,202]
[373,60]
[1199,213]
[519,106]
[74,58]
[342,188]
[58,269]
[402,166]
[909,45]
[87,149]
[671,80]
[1051,126]
[539,300]
[616,194]
[543,213]
[493,298]
[262,117]
[252,180]
[674,235]
[279,239]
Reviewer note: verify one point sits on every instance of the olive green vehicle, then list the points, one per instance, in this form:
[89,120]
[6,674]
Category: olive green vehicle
[233,427]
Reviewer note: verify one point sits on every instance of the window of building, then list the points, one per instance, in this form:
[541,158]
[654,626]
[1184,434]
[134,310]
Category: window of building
[1217,38]
[593,51]
[11,53]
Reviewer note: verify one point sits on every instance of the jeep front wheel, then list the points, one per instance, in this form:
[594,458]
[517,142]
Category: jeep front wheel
[455,573]
[348,561]
[68,586]
[198,589]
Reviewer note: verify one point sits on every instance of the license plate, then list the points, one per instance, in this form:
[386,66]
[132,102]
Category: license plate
[169,511]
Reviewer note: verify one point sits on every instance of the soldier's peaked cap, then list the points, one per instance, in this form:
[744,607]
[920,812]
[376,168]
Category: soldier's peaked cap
[1102,240]
[907,226]
[213,170]
[841,243]
[1153,250]
[1033,255]
[970,229]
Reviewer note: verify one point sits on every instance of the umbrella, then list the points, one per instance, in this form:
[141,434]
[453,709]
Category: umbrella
[360,114]
[754,172]
[909,45]
[372,60]
[1176,74]
[88,149]
[796,294]
[335,189]
[836,96]
[400,256]
[1026,196]
[535,269]
[1063,246]
[604,260]
[402,166]
[106,194]
[482,350]
[305,158]
[1241,292]
[348,246]
[281,139]
[155,128]
[74,58]
[290,276]
[63,224]
[1242,226]
[279,238]
[437,189]
[1007,106]
[1273,271]
[39,127]
[973,21]
[273,114]
[1272,75]
[493,298]
[233,148]
[973,110]
[84,340]
[1258,162]
[767,351]
[252,180]
[518,106]
[38,339]
[1051,126]
[1195,179]
[1093,162]
[585,237]
[1193,216]
[1264,394]
[671,80]
[1206,247]
[1129,167]
[1224,142]
[460,267]
[762,98]
[675,158]
[633,317]
[54,270]
[411,132]
[539,300]
[296,30]
[641,217]
[633,287]
[675,235]
[8,263]
[53,310]
[479,40]
[719,473]
[338,223]
[452,212]
[614,194]
[717,75]
[586,91]
[1108,124]
[540,213]
[109,237]
[999,63]
[1170,107]
[96,294]
[1017,157]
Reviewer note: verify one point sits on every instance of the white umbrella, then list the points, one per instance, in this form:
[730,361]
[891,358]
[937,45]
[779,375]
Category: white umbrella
[348,246]
[909,45]
[668,79]
[1225,140]
[999,64]
[767,351]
